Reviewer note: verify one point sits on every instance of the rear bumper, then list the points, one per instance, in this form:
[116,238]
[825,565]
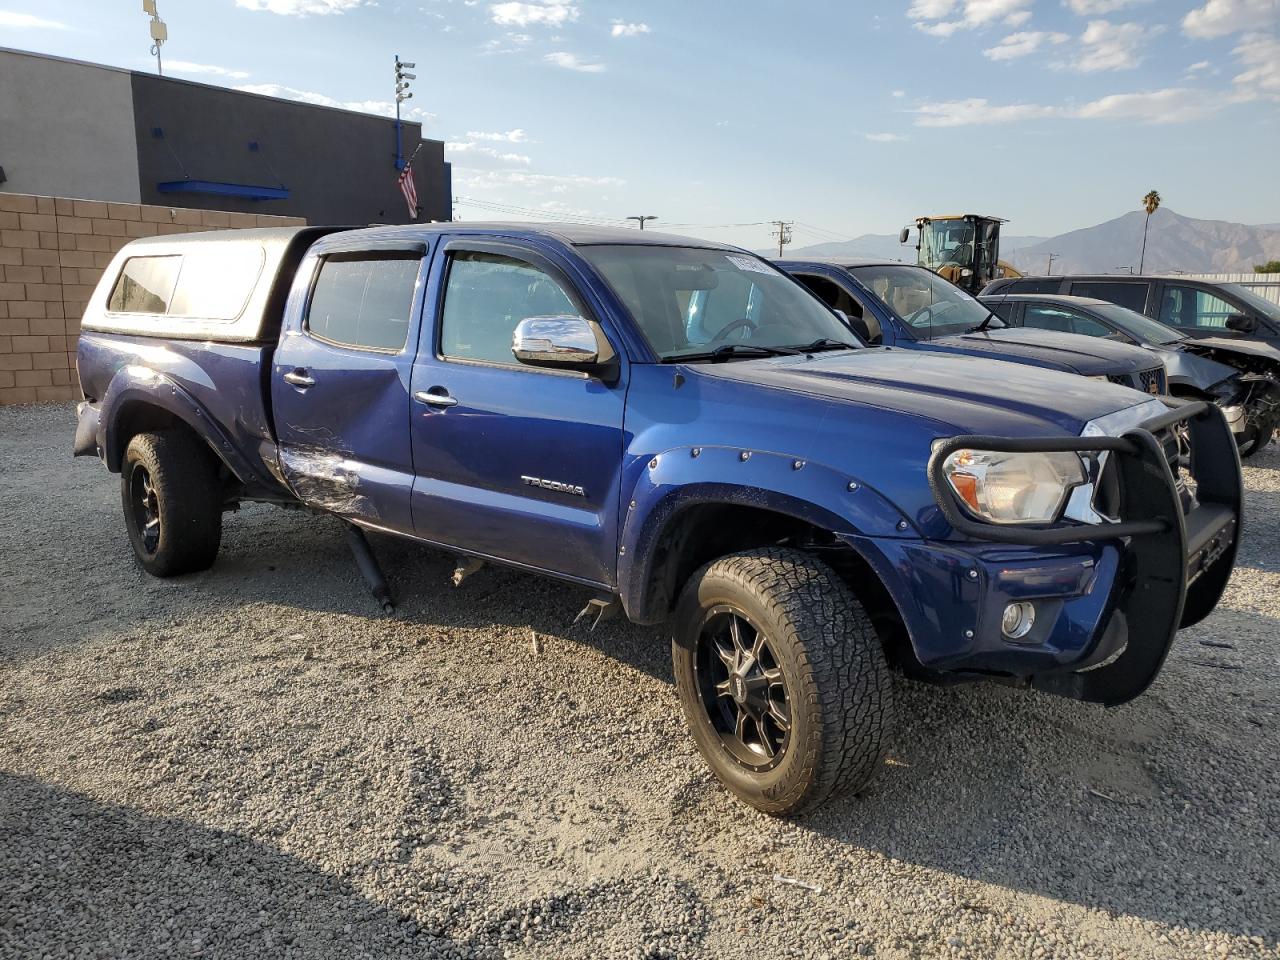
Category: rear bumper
[1109,596]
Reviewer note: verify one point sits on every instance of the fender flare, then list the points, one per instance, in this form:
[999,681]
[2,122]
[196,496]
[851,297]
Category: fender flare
[134,387]
[684,477]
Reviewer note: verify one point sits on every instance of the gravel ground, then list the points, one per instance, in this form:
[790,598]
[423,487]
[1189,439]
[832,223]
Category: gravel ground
[251,762]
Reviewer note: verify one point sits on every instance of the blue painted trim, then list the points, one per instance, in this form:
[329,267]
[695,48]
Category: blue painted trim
[244,191]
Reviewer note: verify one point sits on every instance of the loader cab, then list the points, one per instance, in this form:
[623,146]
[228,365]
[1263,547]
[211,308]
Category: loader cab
[964,249]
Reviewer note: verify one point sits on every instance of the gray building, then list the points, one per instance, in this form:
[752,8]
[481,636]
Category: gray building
[73,129]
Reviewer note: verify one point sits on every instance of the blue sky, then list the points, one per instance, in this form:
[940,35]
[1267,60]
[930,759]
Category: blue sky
[717,116]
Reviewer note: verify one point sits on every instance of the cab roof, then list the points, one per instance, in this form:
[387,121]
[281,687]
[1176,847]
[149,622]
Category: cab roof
[574,234]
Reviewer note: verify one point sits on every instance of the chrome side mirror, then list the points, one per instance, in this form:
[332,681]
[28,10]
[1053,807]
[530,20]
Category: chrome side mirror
[556,342]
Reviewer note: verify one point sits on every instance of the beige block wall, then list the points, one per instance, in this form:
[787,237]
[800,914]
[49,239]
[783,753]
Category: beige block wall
[52,252]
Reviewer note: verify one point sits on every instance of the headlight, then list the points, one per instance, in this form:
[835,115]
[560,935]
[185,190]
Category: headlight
[1014,487]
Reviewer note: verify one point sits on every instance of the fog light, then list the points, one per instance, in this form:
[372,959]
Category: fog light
[1018,620]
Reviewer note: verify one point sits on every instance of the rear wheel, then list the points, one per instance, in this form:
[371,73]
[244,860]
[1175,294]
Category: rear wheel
[782,679]
[172,502]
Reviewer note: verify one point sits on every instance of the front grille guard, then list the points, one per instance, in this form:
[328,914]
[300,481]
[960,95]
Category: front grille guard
[1176,565]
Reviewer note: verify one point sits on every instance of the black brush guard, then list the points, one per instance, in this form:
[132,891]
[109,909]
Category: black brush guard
[1176,564]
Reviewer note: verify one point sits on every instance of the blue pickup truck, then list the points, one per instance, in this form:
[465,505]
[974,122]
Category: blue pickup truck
[684,431]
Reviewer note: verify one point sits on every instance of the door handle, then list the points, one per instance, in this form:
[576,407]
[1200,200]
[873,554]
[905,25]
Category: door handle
[299,378]
[435,399]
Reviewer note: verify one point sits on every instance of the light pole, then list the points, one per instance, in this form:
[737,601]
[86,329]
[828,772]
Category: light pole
[402,94]
[159,32]
[641,220]
[1052,257]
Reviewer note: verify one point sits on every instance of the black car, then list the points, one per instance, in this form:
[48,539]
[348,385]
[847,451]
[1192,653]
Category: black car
[1206,368]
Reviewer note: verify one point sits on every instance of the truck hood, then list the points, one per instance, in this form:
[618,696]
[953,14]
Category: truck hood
[1230,345]
[1188,366]
[958,394]
[1090,356]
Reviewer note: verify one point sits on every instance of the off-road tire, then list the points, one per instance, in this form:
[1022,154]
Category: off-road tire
[838,685]
[183,475]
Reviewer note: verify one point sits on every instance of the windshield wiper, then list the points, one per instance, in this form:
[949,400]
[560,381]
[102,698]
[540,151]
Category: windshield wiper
[732,351]
[826,343]
[983,325]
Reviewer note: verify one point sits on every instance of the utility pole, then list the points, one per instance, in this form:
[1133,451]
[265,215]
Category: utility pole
[159,32]
[783,233]
[1052,257]
[402,94]
[641,220]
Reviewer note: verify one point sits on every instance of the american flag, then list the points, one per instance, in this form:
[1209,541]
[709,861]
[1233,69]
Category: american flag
[409,189]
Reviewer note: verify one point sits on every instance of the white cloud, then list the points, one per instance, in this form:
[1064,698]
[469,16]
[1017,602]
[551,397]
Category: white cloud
[622,29]
[381,108]
[570,61]
[977,111]
[203,69]
[25,21]
[1110,46]
[885,137]
[899,93]
[1094,8]
[301,8]
[547,13]
[479,150]
[942,18]
[1259,53]
[1022,44]
[1198,66]
[510,136]
[1170,105]
[930,9]
[490,180]
[1217,18]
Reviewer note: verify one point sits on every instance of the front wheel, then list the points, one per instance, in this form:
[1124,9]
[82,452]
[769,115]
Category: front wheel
[1256,437]
[172,502]
[782,679]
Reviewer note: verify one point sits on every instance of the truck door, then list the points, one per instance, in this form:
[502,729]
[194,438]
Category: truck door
[514,462]
[340,381]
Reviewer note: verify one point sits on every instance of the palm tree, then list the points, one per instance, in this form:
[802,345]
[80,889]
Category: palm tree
[1150,203]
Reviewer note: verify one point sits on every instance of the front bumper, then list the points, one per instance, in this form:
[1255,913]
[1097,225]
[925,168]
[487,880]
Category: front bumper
[1110,596]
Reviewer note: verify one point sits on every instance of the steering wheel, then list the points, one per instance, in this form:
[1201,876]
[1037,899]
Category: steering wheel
[731,326]
[925,315]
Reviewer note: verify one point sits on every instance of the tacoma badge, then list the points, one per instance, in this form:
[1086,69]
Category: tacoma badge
[555,485]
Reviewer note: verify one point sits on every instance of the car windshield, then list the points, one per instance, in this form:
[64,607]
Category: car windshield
[928,305]
[691,301]
[1140,327]
[1260,303]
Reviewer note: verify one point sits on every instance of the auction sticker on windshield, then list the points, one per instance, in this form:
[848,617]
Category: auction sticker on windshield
[755,266]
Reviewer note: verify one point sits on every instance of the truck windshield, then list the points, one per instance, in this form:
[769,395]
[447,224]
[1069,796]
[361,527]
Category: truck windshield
[1140,327]
[690,301]
[928,305]
[944,242]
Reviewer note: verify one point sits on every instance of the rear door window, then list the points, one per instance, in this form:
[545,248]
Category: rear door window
[364,301]
[1131,295]
[145,285]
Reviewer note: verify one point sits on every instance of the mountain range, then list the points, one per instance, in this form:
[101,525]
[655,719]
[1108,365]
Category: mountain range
[1174,243]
